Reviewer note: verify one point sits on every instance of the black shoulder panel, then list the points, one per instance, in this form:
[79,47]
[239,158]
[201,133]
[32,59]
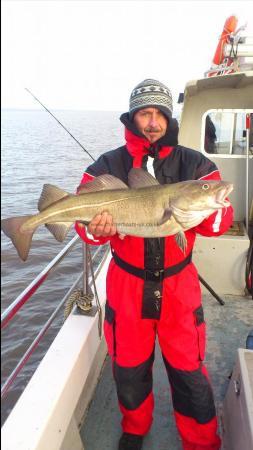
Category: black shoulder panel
[183,164]
[115,162]
[195,164]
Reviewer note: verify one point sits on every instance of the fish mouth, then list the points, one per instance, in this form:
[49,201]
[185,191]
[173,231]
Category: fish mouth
[222,194]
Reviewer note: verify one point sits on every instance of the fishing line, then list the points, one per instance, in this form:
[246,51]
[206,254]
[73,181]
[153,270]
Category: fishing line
[89,252]
[60,123]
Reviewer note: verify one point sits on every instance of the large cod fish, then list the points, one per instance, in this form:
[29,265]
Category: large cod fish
[146,209]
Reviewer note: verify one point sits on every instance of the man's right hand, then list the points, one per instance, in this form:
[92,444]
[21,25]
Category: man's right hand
[102,225]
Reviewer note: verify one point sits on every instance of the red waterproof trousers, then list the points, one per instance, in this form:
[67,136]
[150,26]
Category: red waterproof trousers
[181,334]
[137,312]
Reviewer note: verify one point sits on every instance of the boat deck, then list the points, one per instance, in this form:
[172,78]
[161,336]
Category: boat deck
[227,329]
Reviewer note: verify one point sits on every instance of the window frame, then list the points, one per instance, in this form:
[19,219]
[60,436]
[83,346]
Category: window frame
[203,128]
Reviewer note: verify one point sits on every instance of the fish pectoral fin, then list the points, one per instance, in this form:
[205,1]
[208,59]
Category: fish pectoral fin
[59,230]
[183,215]
[49,195]
[166,216]
[104,182]
[181,241]
[139,178]
[21,240]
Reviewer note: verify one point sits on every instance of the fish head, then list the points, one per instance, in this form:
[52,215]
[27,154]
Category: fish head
[202,195]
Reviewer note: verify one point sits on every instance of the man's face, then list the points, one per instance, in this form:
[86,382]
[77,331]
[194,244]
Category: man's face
[151,122]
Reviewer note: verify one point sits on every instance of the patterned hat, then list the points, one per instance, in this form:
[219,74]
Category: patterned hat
[151,93]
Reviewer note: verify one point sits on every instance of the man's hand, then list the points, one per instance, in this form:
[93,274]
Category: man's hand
[102,225]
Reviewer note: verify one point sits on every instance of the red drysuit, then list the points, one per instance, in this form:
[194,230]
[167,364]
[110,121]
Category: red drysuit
[146,304]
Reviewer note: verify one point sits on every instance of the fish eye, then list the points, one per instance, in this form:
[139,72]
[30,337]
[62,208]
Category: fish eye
[205,186]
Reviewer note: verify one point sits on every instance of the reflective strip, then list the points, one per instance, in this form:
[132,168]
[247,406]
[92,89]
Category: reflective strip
[217,222]
[150,167]
[90,236]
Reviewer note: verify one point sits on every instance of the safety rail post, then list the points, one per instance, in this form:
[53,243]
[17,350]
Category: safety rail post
[85,269]
[248,120]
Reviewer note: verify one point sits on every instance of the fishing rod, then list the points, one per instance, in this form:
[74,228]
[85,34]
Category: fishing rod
[60,123]
[200,278]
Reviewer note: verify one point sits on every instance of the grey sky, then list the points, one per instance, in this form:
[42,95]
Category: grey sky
[89,55]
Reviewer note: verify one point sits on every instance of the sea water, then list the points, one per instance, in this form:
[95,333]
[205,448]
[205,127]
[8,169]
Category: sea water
[37,150]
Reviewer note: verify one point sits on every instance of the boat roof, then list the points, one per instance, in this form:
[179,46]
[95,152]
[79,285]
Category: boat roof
[231,91]
[233,80]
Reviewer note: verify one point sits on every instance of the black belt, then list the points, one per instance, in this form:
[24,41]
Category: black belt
[151,275]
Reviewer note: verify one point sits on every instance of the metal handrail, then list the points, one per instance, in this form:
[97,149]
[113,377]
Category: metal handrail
[15,306]
[10,380]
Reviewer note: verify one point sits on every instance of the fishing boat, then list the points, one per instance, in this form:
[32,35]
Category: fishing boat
[70,402]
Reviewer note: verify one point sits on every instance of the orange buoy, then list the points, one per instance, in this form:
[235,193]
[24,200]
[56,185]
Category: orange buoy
[229,27]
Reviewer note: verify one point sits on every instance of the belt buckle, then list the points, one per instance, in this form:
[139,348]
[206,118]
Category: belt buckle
[154,275]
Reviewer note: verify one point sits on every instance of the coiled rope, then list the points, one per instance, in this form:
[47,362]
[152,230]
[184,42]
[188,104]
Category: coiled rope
[84,301]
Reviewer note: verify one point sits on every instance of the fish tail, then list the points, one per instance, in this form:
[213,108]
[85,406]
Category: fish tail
[21,240]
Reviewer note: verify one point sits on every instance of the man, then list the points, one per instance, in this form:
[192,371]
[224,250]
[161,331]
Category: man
[210,136]
[143,300]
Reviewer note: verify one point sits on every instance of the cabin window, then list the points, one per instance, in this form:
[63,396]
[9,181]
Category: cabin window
[224,132]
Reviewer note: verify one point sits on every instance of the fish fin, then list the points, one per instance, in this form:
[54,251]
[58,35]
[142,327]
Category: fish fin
[166,216]
[138,178]
[21,241]
[59,230]
[181,241]
[102,183]
[189,219]
[49,195]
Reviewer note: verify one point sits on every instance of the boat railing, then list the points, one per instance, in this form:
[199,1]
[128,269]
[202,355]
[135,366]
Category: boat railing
[27,293]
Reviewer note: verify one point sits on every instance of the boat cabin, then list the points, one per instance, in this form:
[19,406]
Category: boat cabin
[217,119]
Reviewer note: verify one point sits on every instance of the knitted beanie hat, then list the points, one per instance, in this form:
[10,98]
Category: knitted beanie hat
[150,93]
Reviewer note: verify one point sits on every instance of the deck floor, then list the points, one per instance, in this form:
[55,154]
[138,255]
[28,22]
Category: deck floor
[227,329]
